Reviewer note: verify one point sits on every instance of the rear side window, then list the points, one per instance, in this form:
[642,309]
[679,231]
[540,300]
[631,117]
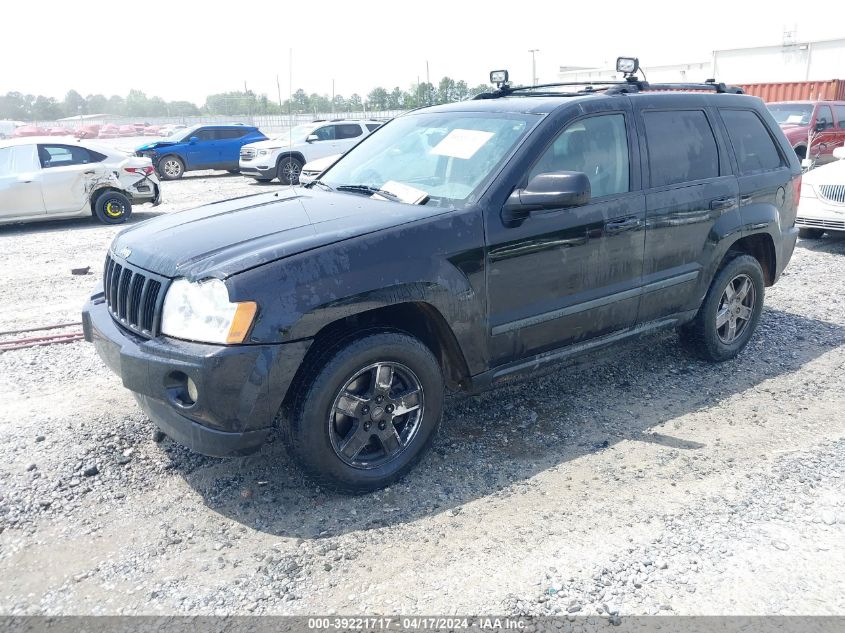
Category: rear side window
[204,135]
[681,147]
[225,135]
[348,130]
[372,127]
[62,155]
[753,145]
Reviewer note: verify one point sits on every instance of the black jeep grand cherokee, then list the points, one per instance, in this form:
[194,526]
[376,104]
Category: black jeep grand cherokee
[456,247]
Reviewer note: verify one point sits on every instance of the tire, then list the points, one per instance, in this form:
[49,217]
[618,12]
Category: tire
[112,207]
[171,168]
[711,341]
[372,446]
[810,234]
[288,170]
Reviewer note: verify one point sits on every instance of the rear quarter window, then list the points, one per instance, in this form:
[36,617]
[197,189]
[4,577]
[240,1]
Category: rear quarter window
[681,147]
[753,145]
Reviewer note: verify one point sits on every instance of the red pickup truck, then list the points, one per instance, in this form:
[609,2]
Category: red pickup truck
[819,124]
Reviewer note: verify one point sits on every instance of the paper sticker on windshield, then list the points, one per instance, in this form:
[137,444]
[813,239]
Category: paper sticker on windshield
[462,143]
[795,118]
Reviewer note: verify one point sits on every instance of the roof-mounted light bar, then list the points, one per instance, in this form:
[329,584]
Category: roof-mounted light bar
[499,77]
[627,65]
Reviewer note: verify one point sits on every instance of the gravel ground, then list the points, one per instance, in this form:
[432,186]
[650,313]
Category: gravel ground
[694,489]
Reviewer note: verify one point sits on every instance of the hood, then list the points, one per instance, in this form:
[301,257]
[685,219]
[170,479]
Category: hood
[830,174]
[322,164]
[155,144]
[270,143]
[228,237]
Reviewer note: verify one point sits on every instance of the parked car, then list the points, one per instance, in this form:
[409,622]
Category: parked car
[45,178]
[7,128]
[821,121]
[109,130]
[152,130]
[60,131]
[200,147]
[126,131]
[171,128]
[312,170]
[460,247]
[822,205]
[284,155]
[87,131]
[29,130]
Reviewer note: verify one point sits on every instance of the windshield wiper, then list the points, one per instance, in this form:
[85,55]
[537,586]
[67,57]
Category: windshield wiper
[369,189]
[318,182]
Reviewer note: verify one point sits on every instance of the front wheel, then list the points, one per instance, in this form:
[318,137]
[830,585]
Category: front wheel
[810,234]
[112,207]
[730,312]
[367,413]
[171,168]
[288,170]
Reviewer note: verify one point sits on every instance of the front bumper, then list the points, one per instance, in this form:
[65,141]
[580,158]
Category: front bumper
[257,168]
[818,213]
[240,388]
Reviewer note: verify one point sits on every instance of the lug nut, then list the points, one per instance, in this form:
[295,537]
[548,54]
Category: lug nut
[365,409]
[379,399]
[389,408]
[382,426]
[366,426]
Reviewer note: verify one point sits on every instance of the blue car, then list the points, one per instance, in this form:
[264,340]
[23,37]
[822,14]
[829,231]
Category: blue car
[199,147]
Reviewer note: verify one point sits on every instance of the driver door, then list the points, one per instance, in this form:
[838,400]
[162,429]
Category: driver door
[326,143]
[564,276]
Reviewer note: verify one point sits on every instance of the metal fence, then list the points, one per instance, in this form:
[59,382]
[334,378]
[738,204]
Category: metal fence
[267,123]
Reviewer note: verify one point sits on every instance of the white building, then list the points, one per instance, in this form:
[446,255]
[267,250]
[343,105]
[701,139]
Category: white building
[798,61]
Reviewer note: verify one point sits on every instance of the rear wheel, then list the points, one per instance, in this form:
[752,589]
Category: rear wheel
[810,234]
[112,207]
[730,312]
[288,170]
[368,412]
[171,168]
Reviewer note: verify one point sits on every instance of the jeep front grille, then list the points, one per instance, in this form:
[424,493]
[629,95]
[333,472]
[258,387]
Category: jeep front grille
[834,193]
[247,153]
[134,297]
[834,225]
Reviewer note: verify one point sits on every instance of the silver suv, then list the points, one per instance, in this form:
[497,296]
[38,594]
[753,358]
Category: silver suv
[283,155]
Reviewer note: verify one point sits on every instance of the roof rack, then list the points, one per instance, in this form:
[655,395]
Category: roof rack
[626,86]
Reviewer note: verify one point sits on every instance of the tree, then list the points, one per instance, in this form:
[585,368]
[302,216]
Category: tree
[13,106]
[46,109]
[74,104]
[377,99]
[354,103]
[136,103]
[96,104]
[116,105]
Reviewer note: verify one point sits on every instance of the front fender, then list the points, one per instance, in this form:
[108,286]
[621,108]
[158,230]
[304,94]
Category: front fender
[437,261]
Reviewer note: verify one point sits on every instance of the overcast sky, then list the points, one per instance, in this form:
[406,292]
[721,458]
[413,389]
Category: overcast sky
[187,49]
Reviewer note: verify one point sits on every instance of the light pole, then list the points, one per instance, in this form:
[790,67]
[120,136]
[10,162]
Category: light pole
[533,65]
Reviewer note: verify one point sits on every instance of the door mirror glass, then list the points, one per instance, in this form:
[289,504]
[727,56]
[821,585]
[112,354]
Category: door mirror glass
[194,140]
[548,191]
[312,137]
[821,126]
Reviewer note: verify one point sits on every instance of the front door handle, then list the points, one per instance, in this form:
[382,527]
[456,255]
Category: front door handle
[722,203]
[745,199]
[618,226]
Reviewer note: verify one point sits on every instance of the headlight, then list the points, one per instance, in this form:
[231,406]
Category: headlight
[201,311]
[807,191]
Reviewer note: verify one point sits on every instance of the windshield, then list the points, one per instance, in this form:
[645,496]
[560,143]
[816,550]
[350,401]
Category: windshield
[792,113]
[297,134]
[443,156]
[183,134]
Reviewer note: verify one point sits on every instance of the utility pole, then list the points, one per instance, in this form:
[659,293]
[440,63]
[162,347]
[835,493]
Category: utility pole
[533,65]
[332,96]
[428,84]
[279,91]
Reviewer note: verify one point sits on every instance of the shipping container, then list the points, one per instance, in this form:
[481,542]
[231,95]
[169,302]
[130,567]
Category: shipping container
[829,90]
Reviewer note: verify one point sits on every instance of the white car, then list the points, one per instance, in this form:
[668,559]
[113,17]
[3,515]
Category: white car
[822,204]
[283,156]
[311,171]
[49,177]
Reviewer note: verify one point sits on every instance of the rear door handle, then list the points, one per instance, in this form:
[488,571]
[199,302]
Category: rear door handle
[618,226]
[722,203]
[89,173]
[745,199]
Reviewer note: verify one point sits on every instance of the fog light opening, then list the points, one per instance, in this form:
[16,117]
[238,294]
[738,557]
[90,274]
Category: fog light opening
[182,389]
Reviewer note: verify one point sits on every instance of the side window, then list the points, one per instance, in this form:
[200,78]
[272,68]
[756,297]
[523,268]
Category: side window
[840,115]
[227,135]
[372,127]
[681,147]
[348,130]
[62,155]
[204,135]
[824,116]
[325,133]
[597,146]
[17,159]
[753,145]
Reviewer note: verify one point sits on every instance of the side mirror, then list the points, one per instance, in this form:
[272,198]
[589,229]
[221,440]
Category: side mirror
[311,138]
[547,192]
[821,126]
[807,163]
[193,140]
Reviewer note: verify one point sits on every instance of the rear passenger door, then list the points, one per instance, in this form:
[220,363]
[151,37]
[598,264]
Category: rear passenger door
[690,188]
[66,175]
[347,135]
[229,147]
[762,171]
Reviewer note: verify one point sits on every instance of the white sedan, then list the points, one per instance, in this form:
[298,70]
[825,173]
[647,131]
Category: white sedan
[312,170]
[822,204]
[45,178]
